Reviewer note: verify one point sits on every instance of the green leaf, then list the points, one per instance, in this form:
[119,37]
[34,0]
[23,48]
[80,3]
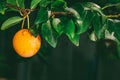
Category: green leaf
[86,15]
[34,3]
[19,3]
[78,25]
[109,35]
[75,39]
[11,22]
[78,16]
[92,6]
[69,30]
[44,3]
[92,36]
[49,34]
[13,2]
[57,25]
[34,30]
[75,14]
[100,25]
[86,21]
[78,9]
[69,27]
[114,26]
[2,6]
[58,5]
[42,16]
[64,25]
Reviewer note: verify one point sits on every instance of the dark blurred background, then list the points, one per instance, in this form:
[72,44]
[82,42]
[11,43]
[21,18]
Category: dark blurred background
[89,61]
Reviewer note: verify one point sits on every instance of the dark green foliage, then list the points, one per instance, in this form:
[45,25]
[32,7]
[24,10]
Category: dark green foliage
[55,18]
[49,34]
[42,15]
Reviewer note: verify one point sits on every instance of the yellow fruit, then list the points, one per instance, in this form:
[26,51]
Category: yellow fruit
[25,44]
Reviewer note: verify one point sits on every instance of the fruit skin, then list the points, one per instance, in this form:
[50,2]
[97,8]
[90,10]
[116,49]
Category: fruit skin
[25,44]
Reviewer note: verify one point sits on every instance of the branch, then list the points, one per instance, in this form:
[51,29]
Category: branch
[113,16]
[110,5]
[24,11]
[60,13]
[13,6]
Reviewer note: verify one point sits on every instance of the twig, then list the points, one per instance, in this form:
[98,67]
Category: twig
[27,11]
[113,16]
[61,13]
[13,6]
[107,6]
[23,11]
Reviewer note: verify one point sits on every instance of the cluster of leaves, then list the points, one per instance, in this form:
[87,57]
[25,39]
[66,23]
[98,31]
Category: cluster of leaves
[54,18]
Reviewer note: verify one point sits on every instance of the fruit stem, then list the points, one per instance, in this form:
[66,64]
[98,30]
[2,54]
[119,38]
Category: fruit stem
[23,22]
[28,21]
